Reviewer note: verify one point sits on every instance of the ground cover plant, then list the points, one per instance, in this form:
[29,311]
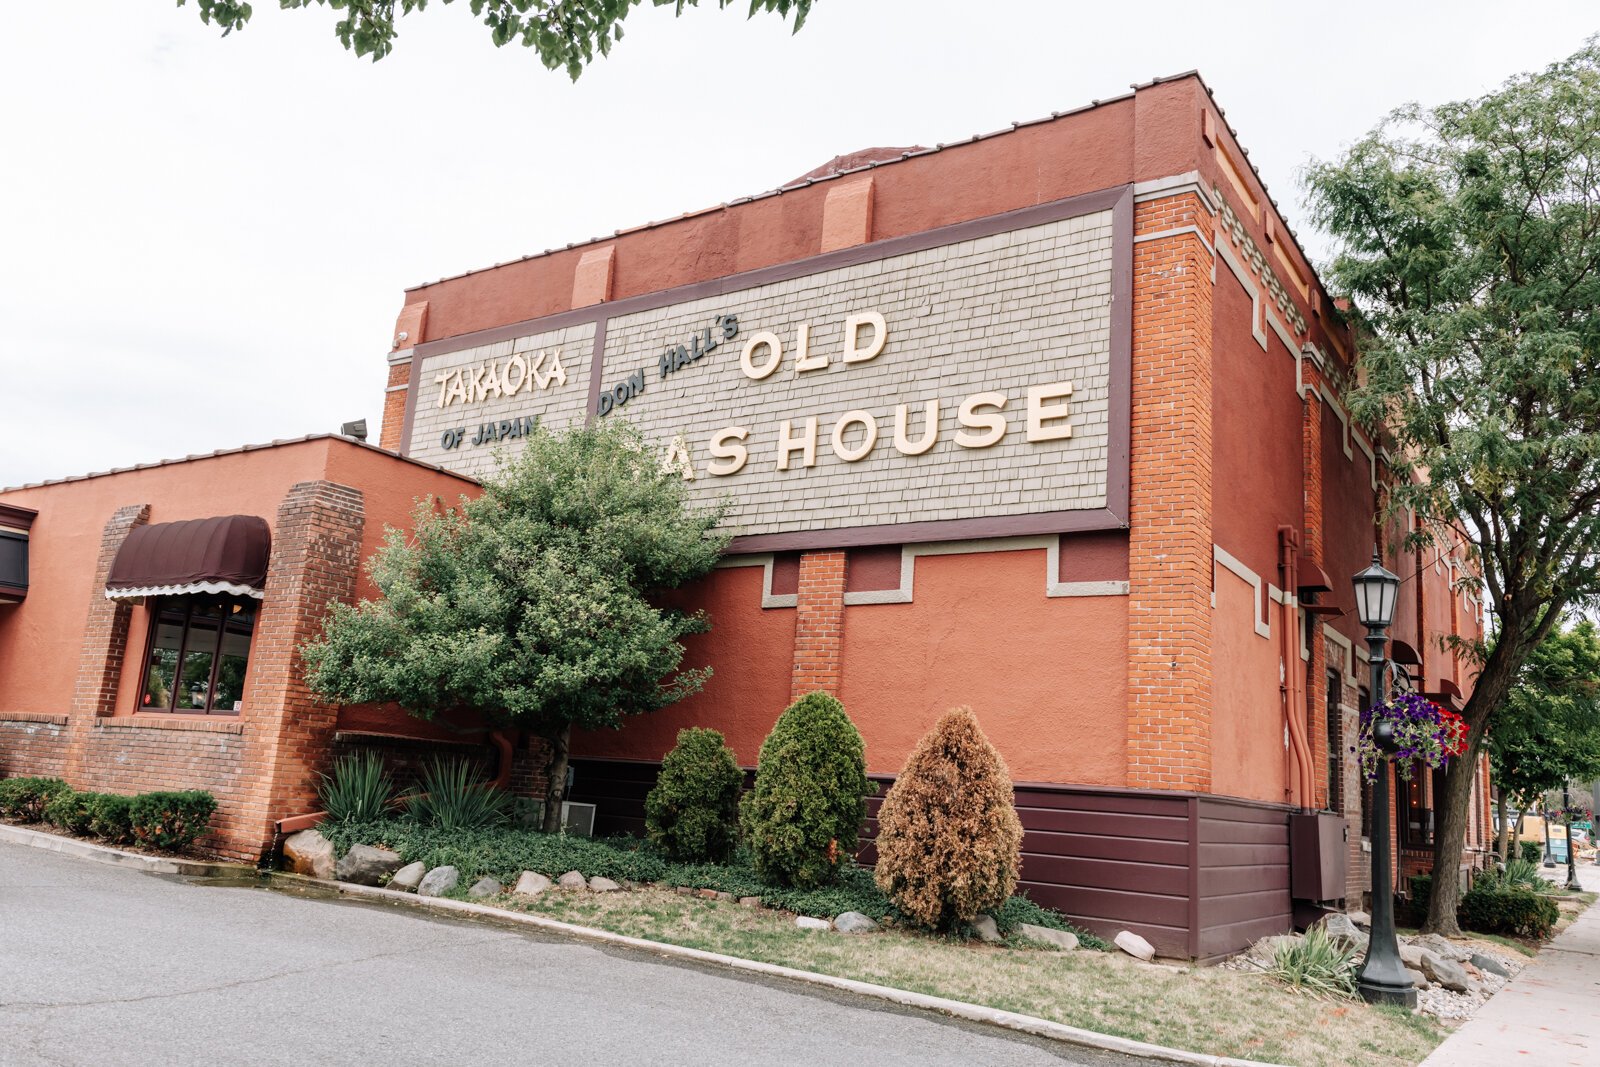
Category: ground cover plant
[801,821]
[949,840]
[693,811]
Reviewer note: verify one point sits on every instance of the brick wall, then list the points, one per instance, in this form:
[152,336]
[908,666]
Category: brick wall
[1170,541]
[33,745]
[394,406]
[819,624]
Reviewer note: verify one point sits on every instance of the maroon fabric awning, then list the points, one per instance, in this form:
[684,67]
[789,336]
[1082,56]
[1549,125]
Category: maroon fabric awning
[225,554]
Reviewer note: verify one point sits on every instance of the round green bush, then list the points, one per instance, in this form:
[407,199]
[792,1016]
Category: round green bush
[802,821]
[69,810]
[693,811]
[111,817]
[24,799]
[170,821]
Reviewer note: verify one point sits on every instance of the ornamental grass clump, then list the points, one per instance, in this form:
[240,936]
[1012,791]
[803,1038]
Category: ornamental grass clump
[949,840]
[1424,732]
[693,811]
[453,798]
[1317,964]
[802,821]
[358,790]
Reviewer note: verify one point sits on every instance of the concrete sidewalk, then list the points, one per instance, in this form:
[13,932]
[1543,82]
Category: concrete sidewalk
[1550,1013]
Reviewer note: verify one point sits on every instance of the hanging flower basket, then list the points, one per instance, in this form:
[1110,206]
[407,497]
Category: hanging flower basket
[1418,731]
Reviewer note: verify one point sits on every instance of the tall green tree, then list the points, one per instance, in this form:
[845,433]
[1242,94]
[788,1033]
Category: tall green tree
[1468,236]
[1548,730]
[566,34]
[536,604]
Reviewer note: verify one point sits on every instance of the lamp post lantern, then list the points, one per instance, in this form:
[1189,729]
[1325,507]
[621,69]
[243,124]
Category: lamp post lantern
[1383,978]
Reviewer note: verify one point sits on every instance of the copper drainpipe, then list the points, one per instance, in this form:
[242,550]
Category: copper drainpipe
[1291,684]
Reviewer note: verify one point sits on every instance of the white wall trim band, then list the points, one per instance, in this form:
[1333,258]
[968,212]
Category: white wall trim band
[1174,185]
[1223,557]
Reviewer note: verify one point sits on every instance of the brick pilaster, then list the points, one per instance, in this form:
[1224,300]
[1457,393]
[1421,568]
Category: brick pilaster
[316,557]
[819,624]
[394,406]
[1170,539]
[105,641]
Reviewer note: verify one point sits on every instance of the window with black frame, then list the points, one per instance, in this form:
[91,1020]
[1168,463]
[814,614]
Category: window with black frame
[1416,823]
[199,651]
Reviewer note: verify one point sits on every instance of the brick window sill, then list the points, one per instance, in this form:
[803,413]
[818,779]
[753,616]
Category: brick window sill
[204,723]
[30,716]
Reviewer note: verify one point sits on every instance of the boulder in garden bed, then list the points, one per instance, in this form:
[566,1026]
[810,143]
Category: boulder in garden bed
[308,853]
[1342,931]
[1418,979]
[598,884]
[408,877]
[1135,946]
[485,887]
[438,882]
[806,922]
[530,884]
[1490,965]
[365,865]
[1044,935]
[1447,973]
[853,922]
[572,880]
[986,929]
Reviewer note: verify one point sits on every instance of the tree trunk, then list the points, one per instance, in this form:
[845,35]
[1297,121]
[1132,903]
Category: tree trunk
[1503,827]
[556,778]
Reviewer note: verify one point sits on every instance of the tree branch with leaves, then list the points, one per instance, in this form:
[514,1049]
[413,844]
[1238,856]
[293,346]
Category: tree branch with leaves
[1467,238]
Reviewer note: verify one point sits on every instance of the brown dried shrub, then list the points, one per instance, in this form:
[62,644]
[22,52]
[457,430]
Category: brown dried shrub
[949,840]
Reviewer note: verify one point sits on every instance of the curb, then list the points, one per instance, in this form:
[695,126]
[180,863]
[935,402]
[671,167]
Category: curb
[1009,1020]
[116,857]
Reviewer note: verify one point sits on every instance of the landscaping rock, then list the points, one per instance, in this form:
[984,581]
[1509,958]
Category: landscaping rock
[1411,955]
[853,922]
[409,876]
[530,884]
[750,902]
[684,890]
[1443,947]
[1360,918]
[365,865]
[603,885]
[572,880]
[438,882]
[485,887]
[1043,935]
[986,929]
[1418,979]
[1445,972]
[1135,946]
[805,922]
[1344,932]
[1490,964]
[308,853]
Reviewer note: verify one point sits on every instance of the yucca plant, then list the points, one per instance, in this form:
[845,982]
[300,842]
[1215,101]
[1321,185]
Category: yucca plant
[1524,874]
[358,790]
[1317,964]
[453,798]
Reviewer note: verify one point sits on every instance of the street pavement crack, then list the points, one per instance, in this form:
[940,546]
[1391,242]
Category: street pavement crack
[25,1005]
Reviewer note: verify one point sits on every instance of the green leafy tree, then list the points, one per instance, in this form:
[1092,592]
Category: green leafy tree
[1468,236]
[1548,730]
[535,604]
[566,34]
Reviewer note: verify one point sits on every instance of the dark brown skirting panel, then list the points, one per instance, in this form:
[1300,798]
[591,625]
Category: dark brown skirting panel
[1199,877]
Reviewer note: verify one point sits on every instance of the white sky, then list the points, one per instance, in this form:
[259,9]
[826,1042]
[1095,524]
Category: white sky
[204,241]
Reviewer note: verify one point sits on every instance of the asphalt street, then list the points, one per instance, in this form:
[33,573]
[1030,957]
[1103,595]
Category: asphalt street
[106,966]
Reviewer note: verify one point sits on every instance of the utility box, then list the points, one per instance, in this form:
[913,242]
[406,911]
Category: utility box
[1318,856]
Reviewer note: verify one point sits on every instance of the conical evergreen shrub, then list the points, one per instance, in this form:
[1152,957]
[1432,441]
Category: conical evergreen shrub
[949,840]
[693,811]
[802,821]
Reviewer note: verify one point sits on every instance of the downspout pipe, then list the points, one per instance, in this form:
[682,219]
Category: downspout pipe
[1292,685]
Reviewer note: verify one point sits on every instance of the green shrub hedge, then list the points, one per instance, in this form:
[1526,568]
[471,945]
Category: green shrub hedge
[693,811]
[25,799]
[170,821]
[1492,908]
[69,810]
[1531,851]
[111,817]
[802,821]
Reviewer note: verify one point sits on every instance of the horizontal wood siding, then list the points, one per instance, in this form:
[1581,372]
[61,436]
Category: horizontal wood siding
[1243,882]
[1194,876]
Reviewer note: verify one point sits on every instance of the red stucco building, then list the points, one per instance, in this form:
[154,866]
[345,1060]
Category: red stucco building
[1047,422]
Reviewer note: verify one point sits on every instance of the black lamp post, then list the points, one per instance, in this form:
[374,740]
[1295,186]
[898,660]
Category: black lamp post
[1572,853]
[1383,978]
